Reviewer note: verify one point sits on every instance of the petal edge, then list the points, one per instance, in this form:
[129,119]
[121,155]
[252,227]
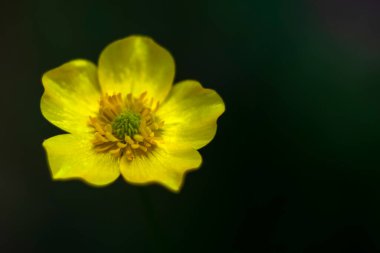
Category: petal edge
[71,95]
[72,157]
[134,65]
[190,114]
[166,166]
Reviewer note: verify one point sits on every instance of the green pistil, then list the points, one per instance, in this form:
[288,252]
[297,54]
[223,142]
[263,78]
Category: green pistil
[127,123]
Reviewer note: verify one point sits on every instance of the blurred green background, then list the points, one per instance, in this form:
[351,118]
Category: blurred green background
[294,166]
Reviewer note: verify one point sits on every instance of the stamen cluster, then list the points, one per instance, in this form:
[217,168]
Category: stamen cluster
[126,125]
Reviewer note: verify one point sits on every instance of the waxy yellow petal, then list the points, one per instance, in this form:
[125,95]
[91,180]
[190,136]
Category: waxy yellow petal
[165,165]
[190,113]
[73,156]
[134,65]
[71,95]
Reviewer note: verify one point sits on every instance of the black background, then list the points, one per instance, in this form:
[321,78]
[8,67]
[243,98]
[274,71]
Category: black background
[294,167]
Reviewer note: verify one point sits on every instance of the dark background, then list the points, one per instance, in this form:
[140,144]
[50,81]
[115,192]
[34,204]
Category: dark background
[295,165]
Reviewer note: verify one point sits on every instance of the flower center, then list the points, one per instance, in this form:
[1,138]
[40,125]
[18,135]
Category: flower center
[126,123]
[126,126]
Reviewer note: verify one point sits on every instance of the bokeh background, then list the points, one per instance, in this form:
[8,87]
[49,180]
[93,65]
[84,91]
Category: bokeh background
[294,167]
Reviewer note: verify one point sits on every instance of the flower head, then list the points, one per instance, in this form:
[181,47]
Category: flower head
[124,116]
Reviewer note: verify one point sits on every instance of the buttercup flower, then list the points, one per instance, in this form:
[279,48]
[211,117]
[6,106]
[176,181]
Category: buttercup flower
[124,116]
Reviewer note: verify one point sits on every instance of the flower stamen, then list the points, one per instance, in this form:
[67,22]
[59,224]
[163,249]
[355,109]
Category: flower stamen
[126,126]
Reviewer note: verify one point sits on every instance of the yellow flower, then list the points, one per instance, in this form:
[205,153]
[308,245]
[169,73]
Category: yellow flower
[125,117]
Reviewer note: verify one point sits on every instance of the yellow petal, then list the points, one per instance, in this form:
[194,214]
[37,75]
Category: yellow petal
[72,156]
[190,113]
[134,65]
[71,95]
[166,165]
